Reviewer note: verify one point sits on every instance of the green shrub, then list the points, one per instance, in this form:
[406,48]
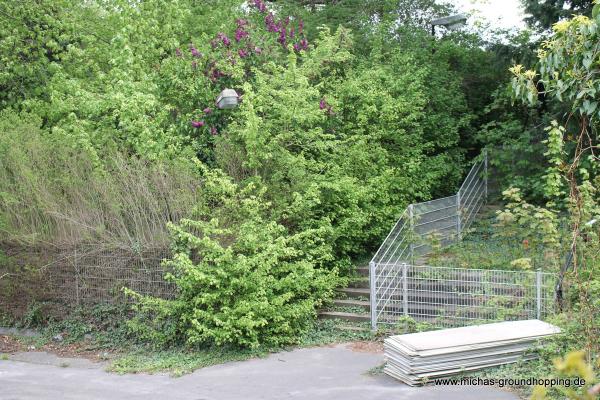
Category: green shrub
[241,278]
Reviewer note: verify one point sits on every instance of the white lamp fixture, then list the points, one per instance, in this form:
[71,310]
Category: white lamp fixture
[453,22]
[227,99]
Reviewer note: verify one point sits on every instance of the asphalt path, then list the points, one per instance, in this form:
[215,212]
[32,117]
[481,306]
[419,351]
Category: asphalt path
[333,373]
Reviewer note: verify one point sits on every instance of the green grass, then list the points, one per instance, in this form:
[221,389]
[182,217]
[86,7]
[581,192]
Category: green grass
[328,331]
[485,247]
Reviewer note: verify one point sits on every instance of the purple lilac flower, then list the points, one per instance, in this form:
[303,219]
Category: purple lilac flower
[322,104]
[240,34]
[300,26]
[197,124]
[282,37]
[241,22]
[216,74]
[257,50]
[213,131]
[270,22]
[224,39]
[301,45]
[178,52]
[207,110]
[260,5]
[242,53]
[292,32]
[195,52]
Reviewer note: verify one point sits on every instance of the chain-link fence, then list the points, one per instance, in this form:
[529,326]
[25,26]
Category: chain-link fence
[458,296]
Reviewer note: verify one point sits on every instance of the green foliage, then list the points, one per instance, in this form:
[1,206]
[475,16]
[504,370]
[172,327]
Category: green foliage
[241,280]
[555,182]
[365,16]
[542,15]
[522,221]
[566,64]
[493,245]
[177,361]
[33,38]
[337,131]
[155,320]
[566,76]
[574,365]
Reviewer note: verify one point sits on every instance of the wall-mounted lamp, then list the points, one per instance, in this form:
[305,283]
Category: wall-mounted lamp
[227,99]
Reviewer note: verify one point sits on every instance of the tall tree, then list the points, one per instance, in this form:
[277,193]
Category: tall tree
[543,14]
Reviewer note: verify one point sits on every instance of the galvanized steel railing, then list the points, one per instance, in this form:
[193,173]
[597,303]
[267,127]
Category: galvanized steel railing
[449,297]
[438,223]
[441,221]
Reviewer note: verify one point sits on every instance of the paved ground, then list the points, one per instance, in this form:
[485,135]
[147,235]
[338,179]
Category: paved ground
[318,373]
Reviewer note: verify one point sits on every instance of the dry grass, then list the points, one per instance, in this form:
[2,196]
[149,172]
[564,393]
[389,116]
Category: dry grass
[54,196]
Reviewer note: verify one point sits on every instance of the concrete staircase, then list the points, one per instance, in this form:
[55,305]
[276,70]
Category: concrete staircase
[352,304]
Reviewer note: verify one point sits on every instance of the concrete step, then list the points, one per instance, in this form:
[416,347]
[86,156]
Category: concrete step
[362,282]
[418,286]
[352,317]
[355,292]
[436,310]
[440,299]
[492,207]
[365,305]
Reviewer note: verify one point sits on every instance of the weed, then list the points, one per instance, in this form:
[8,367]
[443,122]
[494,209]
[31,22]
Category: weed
[378,370]
[179,361]
[332,331]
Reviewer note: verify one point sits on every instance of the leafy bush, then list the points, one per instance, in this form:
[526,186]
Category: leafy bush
[537,228]
[241,279]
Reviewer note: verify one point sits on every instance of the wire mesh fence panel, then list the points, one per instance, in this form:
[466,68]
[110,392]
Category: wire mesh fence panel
[102,275]
[450,297]
[397,246]
[34,276]
[434,222]
[64,279]
[472,194]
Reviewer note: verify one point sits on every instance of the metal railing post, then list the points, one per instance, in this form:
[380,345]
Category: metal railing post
[458,221]
[411,244]
[76,267]
[538,294]
[372,299]
[485,169]
[405,288]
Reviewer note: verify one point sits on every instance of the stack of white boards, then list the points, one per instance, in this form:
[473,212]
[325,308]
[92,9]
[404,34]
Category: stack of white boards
[417,358]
